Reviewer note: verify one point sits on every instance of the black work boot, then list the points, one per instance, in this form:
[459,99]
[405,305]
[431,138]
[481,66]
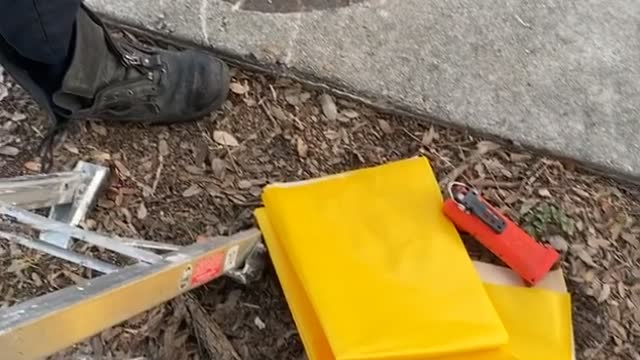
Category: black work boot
[114,80]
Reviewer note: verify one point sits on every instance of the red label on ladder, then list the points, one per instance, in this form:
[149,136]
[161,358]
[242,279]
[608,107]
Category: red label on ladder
[207,269]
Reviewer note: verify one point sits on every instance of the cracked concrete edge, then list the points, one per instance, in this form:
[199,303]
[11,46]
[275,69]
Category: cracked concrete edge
[265,60]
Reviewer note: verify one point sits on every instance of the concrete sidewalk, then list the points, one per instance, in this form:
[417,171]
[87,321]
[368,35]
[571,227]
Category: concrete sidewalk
[559,75]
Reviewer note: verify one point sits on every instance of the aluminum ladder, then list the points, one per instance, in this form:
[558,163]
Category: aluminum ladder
[44,325]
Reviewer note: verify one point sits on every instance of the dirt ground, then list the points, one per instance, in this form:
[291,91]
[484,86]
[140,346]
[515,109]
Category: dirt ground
[175,183]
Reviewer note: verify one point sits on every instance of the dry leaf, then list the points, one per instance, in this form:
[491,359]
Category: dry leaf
[631,239]
[18,116]
[619,329]
[163,147]
[589,276]
[98,129]
[343,119]
[544,193]
[17,265]
[37,281]
[238,88]
[218,167]
[244,184]
[106,204]
[616,229]
[4,92]
[302,148]
[33,166]
[89,224]
[605,293]
[73,277]
[558,242]
[192,191]
[350,113]
[100,156]
[121,168]
[583,194]
[142,212]
[428,137]
[224,138]
[127,216]
[584,256]
[293,96]
[304,97]
[621,290]
[255,191]
[385,127]
[329,108]
[278,113]
[331,134]
[519,157]
[9,150]
[192,169]
[71,148]
[485,147]
[10,126]
[595,242]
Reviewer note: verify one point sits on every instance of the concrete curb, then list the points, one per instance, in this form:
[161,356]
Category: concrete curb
[563,78]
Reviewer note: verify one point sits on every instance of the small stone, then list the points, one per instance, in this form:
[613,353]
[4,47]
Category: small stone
[259,323]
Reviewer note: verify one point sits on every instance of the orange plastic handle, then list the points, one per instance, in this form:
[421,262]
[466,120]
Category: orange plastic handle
[528,258]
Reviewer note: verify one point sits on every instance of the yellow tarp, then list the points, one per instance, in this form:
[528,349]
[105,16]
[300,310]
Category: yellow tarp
[371,269]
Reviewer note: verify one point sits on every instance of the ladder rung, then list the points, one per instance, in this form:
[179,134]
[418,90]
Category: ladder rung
[113,243]
[61,253]
[40,191]
[72,213]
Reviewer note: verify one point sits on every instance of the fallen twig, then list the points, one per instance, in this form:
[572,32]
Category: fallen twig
[209,334]
[158,172]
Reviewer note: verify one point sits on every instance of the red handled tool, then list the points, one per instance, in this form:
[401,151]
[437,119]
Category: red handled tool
[474,215]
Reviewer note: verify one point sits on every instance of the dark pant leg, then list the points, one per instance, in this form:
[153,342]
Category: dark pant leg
[36,38]
[39,30]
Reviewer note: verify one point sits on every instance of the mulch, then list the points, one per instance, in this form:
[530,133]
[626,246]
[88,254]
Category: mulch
[174,183]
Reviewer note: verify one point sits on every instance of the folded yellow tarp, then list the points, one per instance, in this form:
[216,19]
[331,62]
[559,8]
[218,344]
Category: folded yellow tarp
[538,320]
[372,269]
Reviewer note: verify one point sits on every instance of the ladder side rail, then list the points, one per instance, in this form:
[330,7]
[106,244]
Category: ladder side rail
[40,191]
[39,327]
